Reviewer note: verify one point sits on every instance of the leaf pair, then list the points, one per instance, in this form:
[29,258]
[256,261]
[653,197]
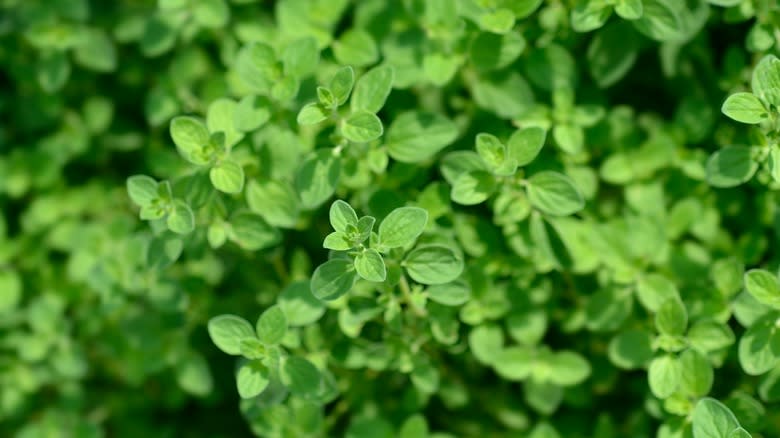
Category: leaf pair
[156,201]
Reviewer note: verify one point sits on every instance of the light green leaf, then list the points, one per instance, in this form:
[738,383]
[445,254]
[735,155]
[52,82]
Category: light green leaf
[370,266]
[300,58]
[312,113]
[341,84]
[472,188]
[731,166]
[455,293]
[300,376]
[333,279]
[211,13]
[660,20]
[299,305]
[221,118]
[764,286]
[569,137]
[11,285]
[525,144]
[337,241]
[317,178]
[612,52]
[355,47]
[227,177]
[372,89]
[252,378]
[696,374]
[361,127]
[629,9]
[766,80]
[497,21]
[589,15]
[631,349]
[416,136]
[251,113]
[414,427]
[664,375]
[672,318]
[227,332]
[554,193]
[190,136]
[341,215]
[276,201]
[486,343]
[514,363]
[402,226]
[180,219]
[489,51]
[271,326]
[712,419]
[759,347]
[433,264]
[193,375]
[568,368]
[142,189]
[745,108]
[252,232]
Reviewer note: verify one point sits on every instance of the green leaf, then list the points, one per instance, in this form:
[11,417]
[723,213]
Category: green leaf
[554,193]
[491,150]
[341,84]
[568,369]
[525,144]
[745,108]
[629,9]
[370,266]
[142,189]
[472,188]
[252,232]
[696,374]
[190,136]
[654,289]
[589,15]
[300,58]
[612,52]
[221,118]
[355,47]
[227,177]
[672,318]
[211,13]
[342,215]
[96,52]
[300,376]
[707,336]
[163,251]
[276,201]
[271,326]
[514,363]
[489,51]
[759,347]
[252,378]
[299,305]
[631,349]
[251,113]
[455,293]
[766,80]
[180,220]
[362,127]
[569,137]
[227,332]
[333,279]
[316,179]
[486,343]
[337,241]
[739,433]
[416,136]
[731,166]
[660,20]
[433,264]
[764,286]
[712,419]
[53,71]
[402,226]
[414,427]
[372,89]
[11,285]
[193,375]
[664,375]
[312,113]
[497,21]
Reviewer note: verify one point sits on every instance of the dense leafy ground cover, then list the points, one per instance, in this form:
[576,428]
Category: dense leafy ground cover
[380,218]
